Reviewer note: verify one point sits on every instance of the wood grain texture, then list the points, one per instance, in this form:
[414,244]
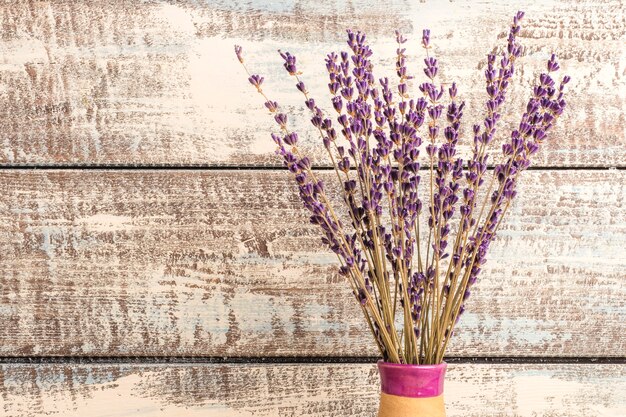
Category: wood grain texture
[301,390]
[129,82]
[225,263]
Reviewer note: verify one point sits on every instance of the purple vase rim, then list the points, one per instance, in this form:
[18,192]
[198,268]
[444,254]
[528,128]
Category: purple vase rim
[413,381]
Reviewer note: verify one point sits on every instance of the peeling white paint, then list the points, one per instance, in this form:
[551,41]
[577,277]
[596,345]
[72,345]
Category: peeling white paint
[307,390]
[105,223]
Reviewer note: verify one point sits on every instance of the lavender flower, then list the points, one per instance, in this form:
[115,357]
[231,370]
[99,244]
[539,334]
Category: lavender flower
[238,52]
[256,80]
[552,64]
[290,62]
[374,139]
[426,38]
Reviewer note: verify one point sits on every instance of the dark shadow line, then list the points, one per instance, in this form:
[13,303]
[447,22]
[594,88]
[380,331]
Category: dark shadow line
[157,167]
[140,360]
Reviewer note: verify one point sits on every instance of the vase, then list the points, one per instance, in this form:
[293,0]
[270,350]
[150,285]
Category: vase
[411,390]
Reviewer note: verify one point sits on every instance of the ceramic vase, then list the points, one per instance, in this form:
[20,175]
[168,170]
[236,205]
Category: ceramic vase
[411,390]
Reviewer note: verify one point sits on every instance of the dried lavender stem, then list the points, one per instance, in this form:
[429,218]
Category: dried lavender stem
[368,253]
[457,301]
[377,318]
[373,308]
[452,322]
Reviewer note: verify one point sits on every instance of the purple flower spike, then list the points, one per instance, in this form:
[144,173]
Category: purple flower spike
[290,62]
[431,67]
[553,65]
[426,38]
[453,91]
[238,52]
[281,119]
[400,38]
[256,80]
[272,106]
[291,138]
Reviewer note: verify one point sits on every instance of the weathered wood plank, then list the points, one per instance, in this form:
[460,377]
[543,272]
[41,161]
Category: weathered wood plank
[301,390]
[226,263]
[117,82]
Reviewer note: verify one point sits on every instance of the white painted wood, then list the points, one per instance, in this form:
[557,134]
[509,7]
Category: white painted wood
[301,390]
[157,82]
[225,263]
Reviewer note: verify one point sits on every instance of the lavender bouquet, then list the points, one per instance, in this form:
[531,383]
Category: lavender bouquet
[418,233]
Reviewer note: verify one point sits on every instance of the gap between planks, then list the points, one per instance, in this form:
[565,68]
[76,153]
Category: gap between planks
[204,167]
[298,360]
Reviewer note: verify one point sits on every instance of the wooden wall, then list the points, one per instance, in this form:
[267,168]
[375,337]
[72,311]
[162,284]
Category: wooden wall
[154,258]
